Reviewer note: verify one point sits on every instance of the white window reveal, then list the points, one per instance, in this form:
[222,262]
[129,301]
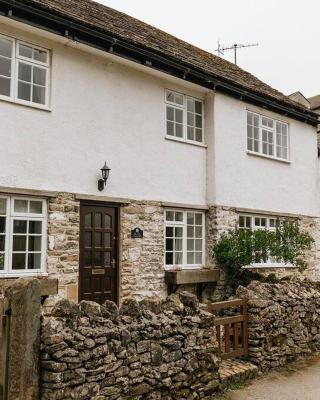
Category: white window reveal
[184,117]
[184,238]
[22,235]
[267,136]
[24,73]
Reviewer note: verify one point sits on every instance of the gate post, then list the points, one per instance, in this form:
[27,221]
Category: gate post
[24,299]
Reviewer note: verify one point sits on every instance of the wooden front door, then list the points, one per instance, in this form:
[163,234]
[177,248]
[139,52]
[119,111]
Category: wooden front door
[98,253]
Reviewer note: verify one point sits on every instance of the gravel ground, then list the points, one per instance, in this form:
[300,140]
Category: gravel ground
[299,381]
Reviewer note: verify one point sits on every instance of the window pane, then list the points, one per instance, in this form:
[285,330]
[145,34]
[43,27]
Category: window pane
[88,239]
[98,259]
[170,128]
[25,51]
[169,231]
[107,239]
[39,95]
[249,144]
[198,244]
[35,243]
[18,261]
[198,135]
[170,113]
[241,222]
[178,216]
[5,67]
[170,96]
[25,71]
[106,259]
[178,258]
[2,224]
[178,232]
[5,86]
[198,219]
[190,133]
[179,130]
[2,243]
[198,107]
[178,98]
[39,76]
[87,220]
[178,115]
[190,218]
[190,244]
[24,91]
[178,244]
[36,207]
[169,216]
[190,119]
[190,105]
[169,258]
[198,121]
[5,47]
[98,220]
[198,258]
[190,258]
[40,55]
[98,239]
[35,227]
[3,206]
[34,261]
[169,244]
[19,243]
[198,231]
[87,259]
[108,221]
[21,206]
[19,226]
[190,231]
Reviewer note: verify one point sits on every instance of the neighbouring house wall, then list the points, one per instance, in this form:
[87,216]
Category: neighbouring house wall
[284,321]
[258,183]
[150,350]
[101,110]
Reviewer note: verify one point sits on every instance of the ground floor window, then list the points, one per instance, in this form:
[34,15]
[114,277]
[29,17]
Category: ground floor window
[184,238]
[22,235]
[259,222]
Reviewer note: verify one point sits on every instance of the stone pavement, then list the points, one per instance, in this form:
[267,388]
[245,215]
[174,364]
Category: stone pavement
[299,381]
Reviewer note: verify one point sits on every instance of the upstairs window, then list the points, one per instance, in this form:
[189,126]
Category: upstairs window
[184,117]
[24,73]
[267,136]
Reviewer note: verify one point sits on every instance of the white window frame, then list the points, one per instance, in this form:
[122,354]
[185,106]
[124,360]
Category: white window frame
[274,135]
[183,224]
[183,107]
[269,263]
[10,217]
[15,70]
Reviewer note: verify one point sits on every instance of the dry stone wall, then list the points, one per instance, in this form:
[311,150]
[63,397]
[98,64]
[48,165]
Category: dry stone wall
[284,321]
[149,350]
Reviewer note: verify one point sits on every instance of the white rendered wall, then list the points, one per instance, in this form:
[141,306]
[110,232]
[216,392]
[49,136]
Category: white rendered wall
[253,182]
[100,111]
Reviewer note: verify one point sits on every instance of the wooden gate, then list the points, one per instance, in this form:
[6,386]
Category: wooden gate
[232,327]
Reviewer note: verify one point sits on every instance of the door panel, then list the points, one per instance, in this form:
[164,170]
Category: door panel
[98,253]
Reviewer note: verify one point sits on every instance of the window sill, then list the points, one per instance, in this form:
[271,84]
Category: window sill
[182,268]
[269,266]
[24,103]
[193,143]
[252,153]
[25,274]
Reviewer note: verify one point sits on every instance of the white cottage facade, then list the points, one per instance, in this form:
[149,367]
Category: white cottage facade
[189,158]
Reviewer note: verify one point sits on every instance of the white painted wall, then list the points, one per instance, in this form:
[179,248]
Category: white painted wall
[100,111]
[254,182]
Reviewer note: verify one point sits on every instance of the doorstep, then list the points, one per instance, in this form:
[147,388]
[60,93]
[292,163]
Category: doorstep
[236,371]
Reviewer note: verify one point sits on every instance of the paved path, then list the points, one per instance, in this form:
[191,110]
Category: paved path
[300,381]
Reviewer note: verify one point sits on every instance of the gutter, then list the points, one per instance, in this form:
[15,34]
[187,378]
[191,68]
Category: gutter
[63,26]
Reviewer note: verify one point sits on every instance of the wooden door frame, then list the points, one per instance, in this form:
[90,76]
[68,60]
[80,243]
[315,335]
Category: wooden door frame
[117,207]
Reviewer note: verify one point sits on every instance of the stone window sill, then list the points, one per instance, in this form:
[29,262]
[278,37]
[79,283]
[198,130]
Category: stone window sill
[26,275]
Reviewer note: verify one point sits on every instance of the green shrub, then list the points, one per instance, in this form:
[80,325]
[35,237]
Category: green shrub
[243,247]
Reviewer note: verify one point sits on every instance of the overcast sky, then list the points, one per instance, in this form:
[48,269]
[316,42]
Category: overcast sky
[288,33]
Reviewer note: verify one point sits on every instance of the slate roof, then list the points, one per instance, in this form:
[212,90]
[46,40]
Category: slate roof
[131,30]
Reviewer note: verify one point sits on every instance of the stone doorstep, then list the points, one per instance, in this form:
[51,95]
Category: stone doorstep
[236,371]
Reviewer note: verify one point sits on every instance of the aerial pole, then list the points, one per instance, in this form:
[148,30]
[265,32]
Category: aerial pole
[220,50]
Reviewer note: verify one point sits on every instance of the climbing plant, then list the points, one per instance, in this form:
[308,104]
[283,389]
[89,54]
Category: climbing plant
[243,247]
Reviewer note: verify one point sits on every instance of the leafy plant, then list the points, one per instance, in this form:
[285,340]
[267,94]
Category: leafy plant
[244,247]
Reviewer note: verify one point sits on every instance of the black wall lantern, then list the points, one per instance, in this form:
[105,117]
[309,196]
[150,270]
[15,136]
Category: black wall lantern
[105,170]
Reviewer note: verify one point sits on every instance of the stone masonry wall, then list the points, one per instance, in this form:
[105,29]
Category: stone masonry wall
[142,260]
[155,349]
[63,243]
[284,321]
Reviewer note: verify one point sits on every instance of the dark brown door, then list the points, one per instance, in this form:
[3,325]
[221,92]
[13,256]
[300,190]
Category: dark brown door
[98,253]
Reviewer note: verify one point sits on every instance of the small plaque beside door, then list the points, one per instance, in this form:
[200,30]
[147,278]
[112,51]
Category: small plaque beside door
[98,271]
[137,233]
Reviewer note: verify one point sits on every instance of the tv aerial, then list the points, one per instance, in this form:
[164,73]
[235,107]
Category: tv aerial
[221,49]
